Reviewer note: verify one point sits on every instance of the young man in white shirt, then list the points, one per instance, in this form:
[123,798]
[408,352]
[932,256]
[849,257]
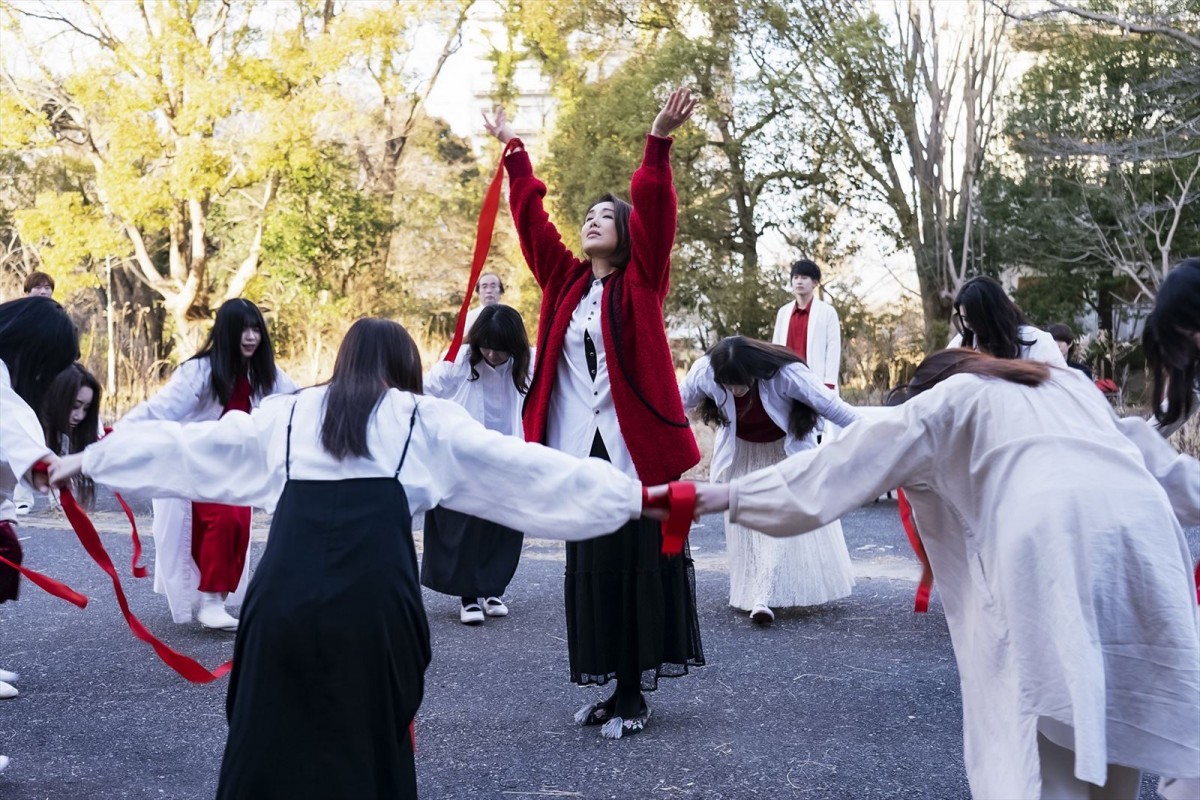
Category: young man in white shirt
[809,326]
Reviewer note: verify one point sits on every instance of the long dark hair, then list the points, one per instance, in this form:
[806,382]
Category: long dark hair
[500,327]
[994,318]
[57,405]
[376,355]
[1171,355]
[741,361]
[223,349]
[37,341]
[621,212]
[947,363]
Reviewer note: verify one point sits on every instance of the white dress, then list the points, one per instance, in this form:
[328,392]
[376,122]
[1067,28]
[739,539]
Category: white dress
[797,571]
[1054,532]
[187,397]
[22,443]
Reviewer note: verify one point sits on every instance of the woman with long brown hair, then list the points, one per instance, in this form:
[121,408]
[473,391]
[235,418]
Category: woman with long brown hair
[331,654]
[1070,603]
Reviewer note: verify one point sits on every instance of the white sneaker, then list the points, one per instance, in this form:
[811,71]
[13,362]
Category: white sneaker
[471,614]
[494,607]
[10,677]
[7,691]
[3,763]
[212,613]
[762,615]
[24,508]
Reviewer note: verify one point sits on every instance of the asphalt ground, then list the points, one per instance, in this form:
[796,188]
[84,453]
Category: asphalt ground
[855,699]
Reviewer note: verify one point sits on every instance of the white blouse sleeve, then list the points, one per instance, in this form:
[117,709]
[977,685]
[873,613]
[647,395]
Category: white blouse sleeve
[444,379]
[456,462]
[1044,348]
[22,442]
[178,398]
[221,461]
[284,383]
[698,384]
[891,448]
[802,384]
[1178,474]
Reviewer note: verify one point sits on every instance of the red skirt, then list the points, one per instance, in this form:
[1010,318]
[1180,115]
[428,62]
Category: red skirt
[220,541]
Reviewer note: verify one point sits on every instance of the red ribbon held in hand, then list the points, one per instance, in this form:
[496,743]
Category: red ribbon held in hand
[483,242]
[680,503]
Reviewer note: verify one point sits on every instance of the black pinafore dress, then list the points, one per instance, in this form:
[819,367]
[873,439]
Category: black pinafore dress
[329,663]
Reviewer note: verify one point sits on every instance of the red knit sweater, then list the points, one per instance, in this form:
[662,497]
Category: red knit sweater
[641,371]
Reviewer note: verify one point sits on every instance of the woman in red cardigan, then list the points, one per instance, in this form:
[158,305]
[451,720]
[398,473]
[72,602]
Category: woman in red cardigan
[604,386]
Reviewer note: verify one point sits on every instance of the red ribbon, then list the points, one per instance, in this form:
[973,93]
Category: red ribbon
[680,504]
[925,587]
[188,667]
[483,242]
[138,571]
[49,585]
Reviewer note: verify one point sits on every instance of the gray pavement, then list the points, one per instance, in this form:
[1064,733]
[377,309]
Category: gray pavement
[856,699]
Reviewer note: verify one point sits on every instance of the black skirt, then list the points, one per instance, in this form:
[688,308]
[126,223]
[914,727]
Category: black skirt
[330,659]
[466,556]
[631,611]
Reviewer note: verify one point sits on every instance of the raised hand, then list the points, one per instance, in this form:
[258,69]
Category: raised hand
[498,125]
[675,112]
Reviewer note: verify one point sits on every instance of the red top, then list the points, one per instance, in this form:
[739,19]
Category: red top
[641,370]
[239,398]
[753,422]
[797,335]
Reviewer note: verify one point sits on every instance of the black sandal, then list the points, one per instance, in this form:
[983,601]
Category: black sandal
[596,713]
[618,728]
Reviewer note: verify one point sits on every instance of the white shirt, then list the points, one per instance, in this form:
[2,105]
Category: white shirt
[22,443]
[188,395]
[1054,532]
[1043,347]
[452,461]
[794,383]
[579,405]
[491,399]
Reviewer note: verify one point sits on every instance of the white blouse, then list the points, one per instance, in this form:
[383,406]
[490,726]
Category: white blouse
[491,399]
[794,383]
[452,461]
[188,395]
[581,405]
[22,443]
[1043,347]
[1054,532]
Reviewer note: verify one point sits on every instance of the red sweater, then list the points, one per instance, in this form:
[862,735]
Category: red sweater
[641,371]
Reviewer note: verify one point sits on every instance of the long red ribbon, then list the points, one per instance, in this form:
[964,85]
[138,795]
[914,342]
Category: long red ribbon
[925,587]
[49,585]
[680,503]
[483,242]
[138,570]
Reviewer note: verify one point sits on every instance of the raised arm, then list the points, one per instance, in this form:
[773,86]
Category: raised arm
[541,244]
[520,485]
[177,399]
[653,222]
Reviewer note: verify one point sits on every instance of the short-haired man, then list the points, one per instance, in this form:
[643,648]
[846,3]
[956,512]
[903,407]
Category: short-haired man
[39,284]
[488,289]
[810,326]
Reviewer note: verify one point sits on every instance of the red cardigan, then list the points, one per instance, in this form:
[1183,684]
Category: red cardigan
[641,371]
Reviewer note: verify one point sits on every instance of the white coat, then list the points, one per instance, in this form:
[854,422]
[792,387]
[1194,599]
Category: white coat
[187,397]
[1043,347]
[452,461]
[824,355]
[22,443]
[1054,532]
[793,383]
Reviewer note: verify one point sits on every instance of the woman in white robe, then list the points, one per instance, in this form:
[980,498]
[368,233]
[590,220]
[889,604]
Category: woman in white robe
[765,403]
[330,659]
[190,396]
[37,341]
[466,556]
[990,322]
[1070,603]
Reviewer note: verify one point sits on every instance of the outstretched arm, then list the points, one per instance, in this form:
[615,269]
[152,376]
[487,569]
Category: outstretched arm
[541,244]
[654,219]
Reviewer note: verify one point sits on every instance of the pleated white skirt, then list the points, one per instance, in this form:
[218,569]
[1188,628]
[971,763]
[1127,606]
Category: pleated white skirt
[804,570]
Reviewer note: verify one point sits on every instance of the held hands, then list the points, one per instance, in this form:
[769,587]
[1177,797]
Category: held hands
[498,125]
[64,468]
[710,499]
[675,112]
